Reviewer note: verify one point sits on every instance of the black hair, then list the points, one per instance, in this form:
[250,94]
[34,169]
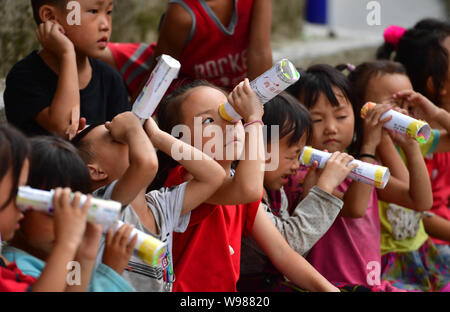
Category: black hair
[37,4]
[14,150]
[420,50]
[55,162]
[364,72]
[168,116]
[84,146]
[290,115]
[320,79]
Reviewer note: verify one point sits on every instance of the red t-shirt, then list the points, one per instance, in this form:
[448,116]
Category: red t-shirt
[13,280]
[133,60]
[207,255]
[216,52]
[439,169]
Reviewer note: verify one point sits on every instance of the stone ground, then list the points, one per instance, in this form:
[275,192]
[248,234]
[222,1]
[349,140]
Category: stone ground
[314,46]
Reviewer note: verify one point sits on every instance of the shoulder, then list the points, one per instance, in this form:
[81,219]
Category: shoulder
[26,67]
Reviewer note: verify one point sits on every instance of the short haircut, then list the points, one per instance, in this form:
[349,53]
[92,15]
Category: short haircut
[14,150]
[37,4]
[55,162]
[84,146]
[290,115]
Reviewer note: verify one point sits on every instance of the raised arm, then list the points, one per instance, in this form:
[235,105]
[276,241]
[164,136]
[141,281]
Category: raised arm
[207,174]
[126,128]
[63,114]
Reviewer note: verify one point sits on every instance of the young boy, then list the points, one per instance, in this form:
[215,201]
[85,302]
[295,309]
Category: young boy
[122,163]
[62,87]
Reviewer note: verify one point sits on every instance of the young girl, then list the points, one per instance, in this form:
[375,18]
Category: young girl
[409,258]
[303,226]
[350,251]
[221,41]
[55,162]
[207,255]
[70,220]
[424,51]
[122,163]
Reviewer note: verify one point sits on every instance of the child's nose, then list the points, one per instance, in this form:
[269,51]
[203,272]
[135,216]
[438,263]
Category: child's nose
[330,127]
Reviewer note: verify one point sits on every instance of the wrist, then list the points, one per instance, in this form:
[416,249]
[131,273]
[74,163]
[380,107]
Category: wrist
[325,186]
[368,148]
[253,118]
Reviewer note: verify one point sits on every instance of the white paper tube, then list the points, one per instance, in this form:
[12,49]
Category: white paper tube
[406,125]
[148,248]
[165,72]
[101,211]
[371,174]
[266,86]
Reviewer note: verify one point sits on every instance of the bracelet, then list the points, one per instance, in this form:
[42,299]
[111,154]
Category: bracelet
[367,155]
[252,122]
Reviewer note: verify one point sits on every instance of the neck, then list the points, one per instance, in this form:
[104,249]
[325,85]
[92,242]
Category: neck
[19,242]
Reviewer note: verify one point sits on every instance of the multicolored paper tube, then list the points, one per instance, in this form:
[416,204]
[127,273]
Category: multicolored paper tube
[371,174]
[165,72]
[101,211]
[148,248]
[266,86]
[406,125]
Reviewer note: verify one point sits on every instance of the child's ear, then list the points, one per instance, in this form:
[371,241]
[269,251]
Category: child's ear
[432,90]
[47,13]
[97,173]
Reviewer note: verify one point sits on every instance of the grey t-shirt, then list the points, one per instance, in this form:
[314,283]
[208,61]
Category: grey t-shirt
[309,221]
[166,205]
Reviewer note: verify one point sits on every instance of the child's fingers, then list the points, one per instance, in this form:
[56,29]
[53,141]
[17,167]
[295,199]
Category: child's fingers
[87,204]
[76,200]
[131,244]
[352,166]
[126,235]
[57,198]
[65,198]
[385,120]
[109,236]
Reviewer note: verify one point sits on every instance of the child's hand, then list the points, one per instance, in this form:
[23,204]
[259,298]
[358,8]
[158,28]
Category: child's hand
[89,246]
[246,102]
[418,106]
[373,127]
[402,140]
[122,126]
[311,178]
[117,248]
[336,170]
[151,128]
[69,218]
[52,37]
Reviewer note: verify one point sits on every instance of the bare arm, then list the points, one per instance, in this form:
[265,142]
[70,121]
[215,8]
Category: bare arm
[172,37]
[126,128]
[437,227]
[259,49]
[63,114]
[207,174]
[284,258]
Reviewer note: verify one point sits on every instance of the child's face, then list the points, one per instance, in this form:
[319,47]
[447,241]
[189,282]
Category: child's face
[227,143]
[92,35]
[333,127]
[11,214]
[37,232]
[381,88]
[287,164]
[109,154]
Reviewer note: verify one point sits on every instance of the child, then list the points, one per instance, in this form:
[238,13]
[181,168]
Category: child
[221,41]
[350,251]
[48,91]
[123,174]
[313,216]
[207,255]
[70,220]
[55,162]
[404,243]
[424,51]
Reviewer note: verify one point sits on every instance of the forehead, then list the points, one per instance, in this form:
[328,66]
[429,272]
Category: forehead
[202,99]
[324,105]
[98,134]
[383,86]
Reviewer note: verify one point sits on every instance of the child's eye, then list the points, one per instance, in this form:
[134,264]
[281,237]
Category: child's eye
[342,117]
[317,120]
[208,120]
[93,11]
[109,12]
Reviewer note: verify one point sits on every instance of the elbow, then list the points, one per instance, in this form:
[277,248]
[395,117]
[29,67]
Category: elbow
[252,193]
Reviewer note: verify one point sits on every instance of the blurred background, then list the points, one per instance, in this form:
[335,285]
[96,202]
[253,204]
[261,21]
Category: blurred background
[304,31]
